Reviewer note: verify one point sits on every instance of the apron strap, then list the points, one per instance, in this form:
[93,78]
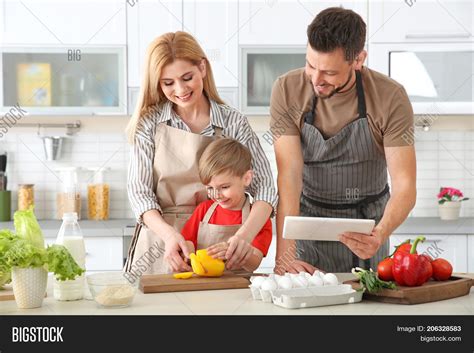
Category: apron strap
[246,209]
[209,212]
[362,109]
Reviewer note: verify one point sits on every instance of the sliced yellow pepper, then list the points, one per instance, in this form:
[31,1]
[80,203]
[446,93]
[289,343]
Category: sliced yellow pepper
[196,265]
[183,275]
[212,267]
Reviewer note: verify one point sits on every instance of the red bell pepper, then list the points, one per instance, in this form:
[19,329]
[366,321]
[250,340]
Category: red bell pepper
[411,269]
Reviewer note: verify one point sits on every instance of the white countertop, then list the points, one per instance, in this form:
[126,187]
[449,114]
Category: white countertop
[235,302]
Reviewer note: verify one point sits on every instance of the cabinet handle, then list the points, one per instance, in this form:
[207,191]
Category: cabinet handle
[436,35]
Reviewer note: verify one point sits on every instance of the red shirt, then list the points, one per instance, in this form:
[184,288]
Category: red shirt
[224,217]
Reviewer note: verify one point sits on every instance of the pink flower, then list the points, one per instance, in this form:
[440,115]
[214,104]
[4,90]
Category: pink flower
[446,191]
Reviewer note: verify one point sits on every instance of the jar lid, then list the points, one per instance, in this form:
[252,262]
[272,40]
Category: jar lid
[26,185]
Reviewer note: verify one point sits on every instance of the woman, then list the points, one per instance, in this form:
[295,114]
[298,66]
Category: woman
[178,114]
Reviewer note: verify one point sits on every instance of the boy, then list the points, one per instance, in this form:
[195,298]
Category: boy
[225,169]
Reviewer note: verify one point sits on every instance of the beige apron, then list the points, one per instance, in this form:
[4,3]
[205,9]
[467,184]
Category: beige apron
[178,190]
[210,234]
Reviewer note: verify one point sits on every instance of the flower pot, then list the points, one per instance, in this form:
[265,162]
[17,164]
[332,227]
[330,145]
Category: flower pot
[29,286]
[449,210]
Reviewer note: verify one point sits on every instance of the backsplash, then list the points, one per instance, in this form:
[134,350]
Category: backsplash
[444,159]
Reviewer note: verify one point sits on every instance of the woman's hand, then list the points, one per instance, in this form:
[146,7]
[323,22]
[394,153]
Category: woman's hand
[238,252]
[175,247]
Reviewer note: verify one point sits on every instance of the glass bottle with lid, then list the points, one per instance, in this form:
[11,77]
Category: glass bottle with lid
[70,236]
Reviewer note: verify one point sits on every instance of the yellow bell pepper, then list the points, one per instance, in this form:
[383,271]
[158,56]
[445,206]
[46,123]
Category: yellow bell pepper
[206,266]
[183,275]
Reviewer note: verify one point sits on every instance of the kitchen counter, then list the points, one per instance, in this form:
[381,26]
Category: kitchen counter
[434,225]
[236,302]
[113,227]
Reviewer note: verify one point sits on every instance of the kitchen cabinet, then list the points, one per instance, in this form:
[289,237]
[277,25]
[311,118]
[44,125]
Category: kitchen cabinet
[230,95]
[450,247]
[50,22]
[420,21]
[215,26]
[436,76]
[57,80]
[284,22]
[102,253]
[146,20]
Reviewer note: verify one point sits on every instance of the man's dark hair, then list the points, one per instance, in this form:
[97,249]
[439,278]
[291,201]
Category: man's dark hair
[335,28]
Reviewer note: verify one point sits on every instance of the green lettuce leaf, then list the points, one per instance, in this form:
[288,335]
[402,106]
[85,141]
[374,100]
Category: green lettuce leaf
[27,227]
[61,263]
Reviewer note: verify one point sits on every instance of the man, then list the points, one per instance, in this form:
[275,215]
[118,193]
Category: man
[342,126]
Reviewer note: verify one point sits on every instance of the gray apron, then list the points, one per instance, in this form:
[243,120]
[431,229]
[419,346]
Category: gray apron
[344,176]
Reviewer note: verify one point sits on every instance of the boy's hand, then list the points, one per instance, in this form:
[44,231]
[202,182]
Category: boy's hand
[218,251]
[238,252]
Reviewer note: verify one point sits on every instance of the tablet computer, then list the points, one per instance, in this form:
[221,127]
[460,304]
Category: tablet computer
[320,228]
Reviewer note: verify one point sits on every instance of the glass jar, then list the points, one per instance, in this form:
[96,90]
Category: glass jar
[26,196]
[98,197]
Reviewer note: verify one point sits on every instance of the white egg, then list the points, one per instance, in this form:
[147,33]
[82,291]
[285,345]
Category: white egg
[299,282]
[330,279]
[285,283]
[315,281]
[304,275]
[319,274]
[257,281]
[269,284]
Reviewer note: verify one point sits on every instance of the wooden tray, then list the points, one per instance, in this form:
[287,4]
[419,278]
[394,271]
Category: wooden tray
[7,293]
[167,283]
[431,291]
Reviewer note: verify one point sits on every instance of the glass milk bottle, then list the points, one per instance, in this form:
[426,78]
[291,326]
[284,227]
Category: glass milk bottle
[70,236]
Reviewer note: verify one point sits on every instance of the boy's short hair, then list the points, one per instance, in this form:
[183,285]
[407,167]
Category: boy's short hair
[224,155]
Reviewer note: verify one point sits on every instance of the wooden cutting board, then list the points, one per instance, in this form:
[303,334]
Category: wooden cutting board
[167,283]
[430,291]
[6,294]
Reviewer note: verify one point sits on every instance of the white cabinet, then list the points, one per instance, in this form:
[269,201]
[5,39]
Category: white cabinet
[63,22]
[470,253]
[284,22]
[215,26]
[450,247]
[420,21]
[146,20]
[102,253]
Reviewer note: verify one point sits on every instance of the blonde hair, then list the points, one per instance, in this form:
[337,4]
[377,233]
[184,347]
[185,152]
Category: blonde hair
[222,156]
[161,52]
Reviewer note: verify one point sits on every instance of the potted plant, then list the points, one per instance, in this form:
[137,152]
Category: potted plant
[449,203]
[26,262]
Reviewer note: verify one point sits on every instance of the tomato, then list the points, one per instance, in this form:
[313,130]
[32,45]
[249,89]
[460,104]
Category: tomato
[384,269]
[442,269]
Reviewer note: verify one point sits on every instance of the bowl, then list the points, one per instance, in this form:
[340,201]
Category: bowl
[111,289]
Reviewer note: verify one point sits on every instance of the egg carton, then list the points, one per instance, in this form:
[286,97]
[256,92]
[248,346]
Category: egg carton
[297,298]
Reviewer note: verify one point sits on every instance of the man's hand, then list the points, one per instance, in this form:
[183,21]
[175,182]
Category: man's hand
[363,245]
[174,246]
[292,265]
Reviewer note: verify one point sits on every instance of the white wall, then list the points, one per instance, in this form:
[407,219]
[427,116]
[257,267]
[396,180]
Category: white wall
[445,158]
